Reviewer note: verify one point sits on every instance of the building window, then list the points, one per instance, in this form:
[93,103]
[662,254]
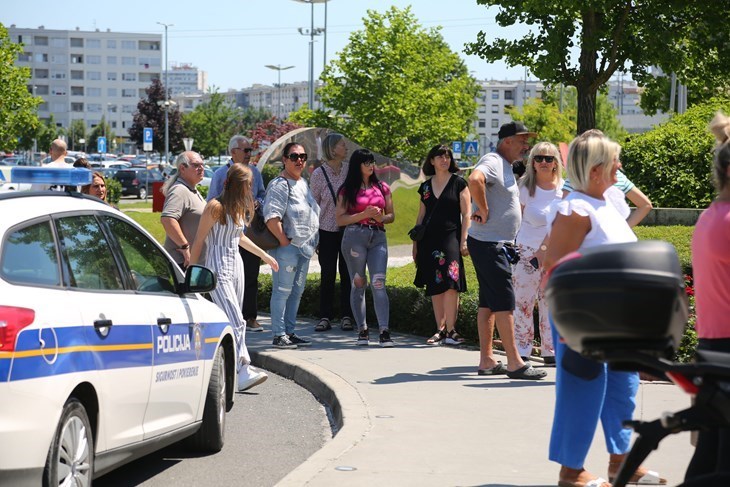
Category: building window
[58,91]
[93,75]
[127,108]
[93,107]
[507,108]
[495,123]
[114,124]
[129,76]
[77,107]
[24,57]
[128,61]
[93,92]
[41,73]
[41,89]
[111,44]
[508,95]
[495,94]
[111,60]
[77,58]
[77,91]
[111,76]
[75,74]
[482,123]
[77,42]
[58,59]
[93,43]
[129,44]
[495,108]
[131,93]
[528,94]
[58,107]
[58,74]
[41,57]
[93,59]
[58,42]
[482,109]
[111,108]
[40,40]
[111,92]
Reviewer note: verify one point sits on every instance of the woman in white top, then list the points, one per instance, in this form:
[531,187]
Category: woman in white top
[539,187]
[585,390]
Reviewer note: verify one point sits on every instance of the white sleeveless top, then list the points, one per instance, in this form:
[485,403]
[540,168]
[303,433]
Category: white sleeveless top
[608,226]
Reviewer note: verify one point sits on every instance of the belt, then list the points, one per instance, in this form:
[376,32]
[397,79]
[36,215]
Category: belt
[371,227]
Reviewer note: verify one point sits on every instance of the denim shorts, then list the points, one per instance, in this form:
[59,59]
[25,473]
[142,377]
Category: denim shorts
[494,274]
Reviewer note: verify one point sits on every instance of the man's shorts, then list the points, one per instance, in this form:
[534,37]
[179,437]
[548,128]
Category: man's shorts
[494,274]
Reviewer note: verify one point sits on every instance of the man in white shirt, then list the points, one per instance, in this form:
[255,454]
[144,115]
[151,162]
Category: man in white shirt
[58,159]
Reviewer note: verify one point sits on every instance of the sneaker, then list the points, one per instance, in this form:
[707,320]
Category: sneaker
[363,338]
[253,325]
[347,324]
[385,340]
[283,342]
[298,341]
[249,377]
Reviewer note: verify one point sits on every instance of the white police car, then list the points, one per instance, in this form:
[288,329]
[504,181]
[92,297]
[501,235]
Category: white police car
[107,352]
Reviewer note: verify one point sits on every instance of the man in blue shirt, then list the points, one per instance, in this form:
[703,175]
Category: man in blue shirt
[240,149]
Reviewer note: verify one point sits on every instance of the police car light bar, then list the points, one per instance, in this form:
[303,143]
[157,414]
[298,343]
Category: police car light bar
[76,176]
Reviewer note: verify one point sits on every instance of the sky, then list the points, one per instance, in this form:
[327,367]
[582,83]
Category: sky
[234,40]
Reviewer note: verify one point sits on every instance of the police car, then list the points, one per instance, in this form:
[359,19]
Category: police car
[107,351]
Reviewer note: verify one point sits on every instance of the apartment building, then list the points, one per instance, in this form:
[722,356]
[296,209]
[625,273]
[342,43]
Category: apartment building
[184,78]
[87,75]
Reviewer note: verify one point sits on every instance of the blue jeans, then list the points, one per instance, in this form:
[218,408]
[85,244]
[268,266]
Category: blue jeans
[287,288]
[363,246]
[606,395]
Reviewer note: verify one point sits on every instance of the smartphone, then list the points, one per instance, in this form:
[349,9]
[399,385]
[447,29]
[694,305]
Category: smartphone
[535,263]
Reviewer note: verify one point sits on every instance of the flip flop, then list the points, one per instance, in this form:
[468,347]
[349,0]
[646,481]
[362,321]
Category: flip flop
[599,482]
[498,369]
[527,372]
[323,325]
[651,477]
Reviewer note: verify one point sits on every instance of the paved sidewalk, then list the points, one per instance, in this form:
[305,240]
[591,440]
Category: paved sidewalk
[419,415]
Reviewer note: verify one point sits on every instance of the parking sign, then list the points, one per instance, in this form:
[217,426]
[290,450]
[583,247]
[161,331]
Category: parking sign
[456,149]
[147,139]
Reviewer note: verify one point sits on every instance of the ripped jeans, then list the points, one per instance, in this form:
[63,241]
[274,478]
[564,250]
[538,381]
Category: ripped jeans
[363,246]
[287,288]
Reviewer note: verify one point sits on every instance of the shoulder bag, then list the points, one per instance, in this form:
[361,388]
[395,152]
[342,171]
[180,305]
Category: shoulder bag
[258,232]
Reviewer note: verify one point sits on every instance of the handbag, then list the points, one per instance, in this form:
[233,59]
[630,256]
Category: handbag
[417,233]
[259,233]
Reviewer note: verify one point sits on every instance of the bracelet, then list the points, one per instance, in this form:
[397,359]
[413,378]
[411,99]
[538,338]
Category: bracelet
[184,247]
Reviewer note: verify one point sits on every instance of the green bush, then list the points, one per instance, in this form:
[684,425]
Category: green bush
[203,190]
[672,163]
[113,191]
[269,172]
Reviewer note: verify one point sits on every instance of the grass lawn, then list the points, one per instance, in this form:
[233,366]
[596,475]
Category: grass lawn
[149,221]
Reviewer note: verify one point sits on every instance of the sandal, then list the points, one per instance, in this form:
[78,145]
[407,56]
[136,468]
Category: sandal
[323,325]
[526,372]
[437,337]
[648,477]
[453,338]
[346,324]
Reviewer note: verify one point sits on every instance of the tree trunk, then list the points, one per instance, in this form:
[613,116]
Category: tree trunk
[586,109]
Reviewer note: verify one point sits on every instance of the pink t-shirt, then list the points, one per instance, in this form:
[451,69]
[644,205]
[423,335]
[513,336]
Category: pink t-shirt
[711,268]
[373,196]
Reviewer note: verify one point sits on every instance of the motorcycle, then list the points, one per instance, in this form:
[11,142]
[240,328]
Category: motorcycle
[625,305]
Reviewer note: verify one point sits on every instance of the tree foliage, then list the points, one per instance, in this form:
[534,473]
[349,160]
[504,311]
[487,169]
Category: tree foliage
[672,164]
[76,132]
[102,129]
[150,114]
[265,133]
[397,87]
[688,38]
[545,118]
[211,125]
[17,105]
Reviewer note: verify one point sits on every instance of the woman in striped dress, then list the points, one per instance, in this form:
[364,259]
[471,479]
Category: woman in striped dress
[221,228]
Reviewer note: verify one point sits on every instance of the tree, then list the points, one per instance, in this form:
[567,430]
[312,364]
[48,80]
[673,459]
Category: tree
[102,129]
[247,118]
[687,38]
[545,118]
[269,131]
[606,114]
[76,132]
[211,125]
[17,105]
[150,114]
[397,87]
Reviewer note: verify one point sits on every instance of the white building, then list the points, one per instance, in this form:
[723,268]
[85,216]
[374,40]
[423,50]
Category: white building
[184,78]
[87,75]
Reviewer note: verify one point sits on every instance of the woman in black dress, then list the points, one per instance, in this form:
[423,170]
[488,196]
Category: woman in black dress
[445,210]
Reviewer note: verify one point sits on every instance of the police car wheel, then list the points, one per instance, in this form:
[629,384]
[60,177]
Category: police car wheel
[70,458]
[142,194]
[211,435]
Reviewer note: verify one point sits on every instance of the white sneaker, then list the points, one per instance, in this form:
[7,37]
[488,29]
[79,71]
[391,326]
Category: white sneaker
[249,377]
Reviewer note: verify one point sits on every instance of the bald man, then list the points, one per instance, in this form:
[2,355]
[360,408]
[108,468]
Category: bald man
[58,153]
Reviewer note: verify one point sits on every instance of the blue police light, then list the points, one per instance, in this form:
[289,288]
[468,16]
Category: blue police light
[76,176]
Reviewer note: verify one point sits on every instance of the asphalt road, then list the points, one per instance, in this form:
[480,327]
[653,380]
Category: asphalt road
[271,430]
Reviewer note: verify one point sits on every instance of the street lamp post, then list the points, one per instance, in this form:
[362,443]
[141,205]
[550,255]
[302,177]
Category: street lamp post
[167,100]
[279,69]
[311,32]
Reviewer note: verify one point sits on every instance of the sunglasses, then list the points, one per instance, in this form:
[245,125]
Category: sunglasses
[247,150]
[295,157]
[548,159]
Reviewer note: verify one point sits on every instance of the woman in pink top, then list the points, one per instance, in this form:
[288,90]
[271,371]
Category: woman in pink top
[711,268]
[364,206]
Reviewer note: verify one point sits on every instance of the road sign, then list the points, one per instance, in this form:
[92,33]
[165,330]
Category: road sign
[471,148]
[456,149]
[101,145]
[147,139]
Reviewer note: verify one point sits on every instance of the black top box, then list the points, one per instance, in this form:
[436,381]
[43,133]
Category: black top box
[620,297]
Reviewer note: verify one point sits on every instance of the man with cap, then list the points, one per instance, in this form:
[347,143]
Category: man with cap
[496,217]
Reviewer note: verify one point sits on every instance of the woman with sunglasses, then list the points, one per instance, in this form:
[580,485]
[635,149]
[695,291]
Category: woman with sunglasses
[445,209]
[292,215]
[541,185]
[364,206]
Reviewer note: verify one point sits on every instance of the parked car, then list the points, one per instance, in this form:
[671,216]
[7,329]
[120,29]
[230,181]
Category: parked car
[69,159]
[206,179]
[138,181]
[107,351]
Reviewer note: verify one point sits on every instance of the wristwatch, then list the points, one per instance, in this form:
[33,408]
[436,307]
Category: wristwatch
[184,247]
[543,247]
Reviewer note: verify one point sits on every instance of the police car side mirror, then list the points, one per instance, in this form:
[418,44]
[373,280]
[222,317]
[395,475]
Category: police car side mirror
[199,279]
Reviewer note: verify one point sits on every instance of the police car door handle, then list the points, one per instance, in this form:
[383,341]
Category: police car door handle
[164,321]
[102,323]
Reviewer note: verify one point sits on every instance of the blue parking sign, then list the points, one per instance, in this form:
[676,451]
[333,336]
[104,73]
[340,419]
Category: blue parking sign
[101,145]
[147,135]
[456,147]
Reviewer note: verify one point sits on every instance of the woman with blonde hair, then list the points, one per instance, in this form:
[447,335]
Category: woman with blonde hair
[221,229]
[539,187]
[587,391]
